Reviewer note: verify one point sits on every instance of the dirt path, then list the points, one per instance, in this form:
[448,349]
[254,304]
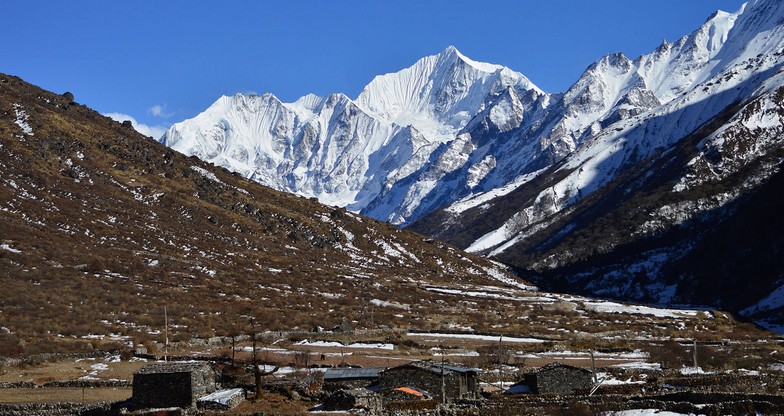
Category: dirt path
[65,394]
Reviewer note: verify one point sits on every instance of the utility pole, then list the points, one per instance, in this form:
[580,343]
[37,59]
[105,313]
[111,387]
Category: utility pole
[500,363]
[593,368]
[694,352]
[443,381]
[256,372]
[166,334]
[233,348]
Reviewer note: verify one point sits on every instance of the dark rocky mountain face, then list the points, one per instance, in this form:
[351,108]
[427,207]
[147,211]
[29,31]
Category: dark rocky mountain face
[670,196]
[695,223]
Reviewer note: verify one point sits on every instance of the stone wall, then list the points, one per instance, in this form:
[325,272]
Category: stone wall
[53,409]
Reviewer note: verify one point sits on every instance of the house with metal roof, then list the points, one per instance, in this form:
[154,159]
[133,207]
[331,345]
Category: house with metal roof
[446,382]
[350,378]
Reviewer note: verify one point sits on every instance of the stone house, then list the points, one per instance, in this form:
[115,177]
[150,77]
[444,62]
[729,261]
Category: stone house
[457,382]
[174,384]
[557,378]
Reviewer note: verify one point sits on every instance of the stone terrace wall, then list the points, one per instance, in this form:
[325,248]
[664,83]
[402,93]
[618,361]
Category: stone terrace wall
[53,409]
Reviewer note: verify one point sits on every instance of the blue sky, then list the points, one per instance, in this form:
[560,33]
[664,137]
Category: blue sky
[165,61]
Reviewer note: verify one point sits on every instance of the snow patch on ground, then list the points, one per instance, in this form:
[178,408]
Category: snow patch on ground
[645,412]
[222,396]
[334,344]
[692,370]
[503,278]
[388,304]
[21,120]
[613,307]
[477,337]
[9,248]
[774,300]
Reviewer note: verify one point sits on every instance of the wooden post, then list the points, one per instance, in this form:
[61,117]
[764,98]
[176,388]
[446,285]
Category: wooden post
[233,348]
[694,352]
[166,334]
[500,363]
[443,381]
[256,371]
[593,368]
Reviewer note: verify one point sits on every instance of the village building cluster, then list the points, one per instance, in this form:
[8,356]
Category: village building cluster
[195,384]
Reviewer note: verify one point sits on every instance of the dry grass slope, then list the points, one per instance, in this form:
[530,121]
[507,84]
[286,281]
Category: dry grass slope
[101,227]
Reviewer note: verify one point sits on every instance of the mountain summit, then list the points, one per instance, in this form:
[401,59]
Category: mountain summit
[356,153]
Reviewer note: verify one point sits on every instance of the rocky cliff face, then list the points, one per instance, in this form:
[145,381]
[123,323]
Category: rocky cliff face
[645,203]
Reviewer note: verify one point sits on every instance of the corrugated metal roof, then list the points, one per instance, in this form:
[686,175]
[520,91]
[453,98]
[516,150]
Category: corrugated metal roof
[333,374]
[554,365]
[458,369]
[436,367]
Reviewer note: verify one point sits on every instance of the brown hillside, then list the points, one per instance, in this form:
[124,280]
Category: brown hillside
[101,224]
[101,227]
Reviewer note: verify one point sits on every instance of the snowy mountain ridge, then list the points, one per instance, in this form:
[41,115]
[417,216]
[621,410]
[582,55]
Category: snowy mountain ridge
[443,129]
[343,151]
[645,201]
[730,73]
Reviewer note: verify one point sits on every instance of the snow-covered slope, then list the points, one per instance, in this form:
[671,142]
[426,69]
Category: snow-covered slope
[655,155]
[441,130]
[349,152]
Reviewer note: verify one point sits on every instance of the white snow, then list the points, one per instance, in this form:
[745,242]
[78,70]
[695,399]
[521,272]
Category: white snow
[389,304]
[475,200]
[608,379]
[222,396]
[409,144]
[21,120]
[645,412]
[514,340]
[492,239]
[614,307]
[9,248]
[774,300]
[350,152]
[692,371]
[356,345]
[639,365]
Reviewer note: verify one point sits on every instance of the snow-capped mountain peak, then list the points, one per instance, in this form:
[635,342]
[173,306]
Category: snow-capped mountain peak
[448,127]
[448,88]
[349,152]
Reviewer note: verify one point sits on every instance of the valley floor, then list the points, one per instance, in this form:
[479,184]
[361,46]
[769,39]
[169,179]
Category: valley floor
[734,377]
